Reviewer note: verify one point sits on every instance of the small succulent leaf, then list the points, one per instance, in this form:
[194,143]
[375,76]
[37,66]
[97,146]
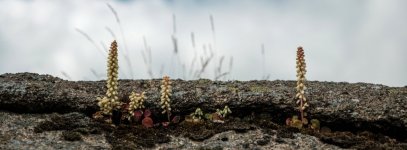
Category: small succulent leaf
[147,113]
[176,119]
[147,122]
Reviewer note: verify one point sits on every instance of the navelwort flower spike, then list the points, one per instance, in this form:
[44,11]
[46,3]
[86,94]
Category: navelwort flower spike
[165,96]
[301,71]
[136,102]
[111,100]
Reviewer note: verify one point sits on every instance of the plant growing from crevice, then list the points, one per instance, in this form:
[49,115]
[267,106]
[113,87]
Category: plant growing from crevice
[195,117]
[315,124]
[301,71]
[147,121]
[140,116]
[198,114]
[302,102]
[166,90]
[294,122]
[218,117]
[135,105]
[110,101]
[224,112]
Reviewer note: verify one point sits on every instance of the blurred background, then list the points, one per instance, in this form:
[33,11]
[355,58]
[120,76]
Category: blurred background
[344,40]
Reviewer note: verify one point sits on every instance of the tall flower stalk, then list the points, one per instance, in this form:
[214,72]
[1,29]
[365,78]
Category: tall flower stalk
[111,100]
[301,71]
[165,96]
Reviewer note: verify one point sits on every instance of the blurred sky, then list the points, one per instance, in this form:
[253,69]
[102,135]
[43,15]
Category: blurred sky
[344,40]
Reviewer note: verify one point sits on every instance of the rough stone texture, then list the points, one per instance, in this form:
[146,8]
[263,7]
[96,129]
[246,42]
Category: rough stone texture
[17,132]
[339,106]
[250,140]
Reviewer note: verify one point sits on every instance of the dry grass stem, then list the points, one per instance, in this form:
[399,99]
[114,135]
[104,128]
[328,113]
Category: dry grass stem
[90,40]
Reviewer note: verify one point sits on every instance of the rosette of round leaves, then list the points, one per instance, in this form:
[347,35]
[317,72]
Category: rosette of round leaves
[294,122]
[297,123]
[111,100]
[147,120]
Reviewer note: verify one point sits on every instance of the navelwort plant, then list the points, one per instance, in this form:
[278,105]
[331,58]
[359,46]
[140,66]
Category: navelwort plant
[300,96]
[111,100]
[165,96]
[136,102]
[199,116]
[301,71]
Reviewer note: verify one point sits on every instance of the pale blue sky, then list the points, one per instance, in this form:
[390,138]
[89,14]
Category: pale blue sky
[344,40]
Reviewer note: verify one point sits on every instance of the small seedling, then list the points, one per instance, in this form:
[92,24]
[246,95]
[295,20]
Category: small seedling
[297,123]
[315,124]
[226,110]
[197,114]
[208,116]
[195,117]
[220,115]
[294,122]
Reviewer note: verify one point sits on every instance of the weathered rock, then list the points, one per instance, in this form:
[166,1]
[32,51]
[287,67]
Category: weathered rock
[16,132]
[340,106]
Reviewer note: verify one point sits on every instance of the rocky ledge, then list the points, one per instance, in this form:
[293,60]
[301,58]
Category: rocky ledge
[45,112]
